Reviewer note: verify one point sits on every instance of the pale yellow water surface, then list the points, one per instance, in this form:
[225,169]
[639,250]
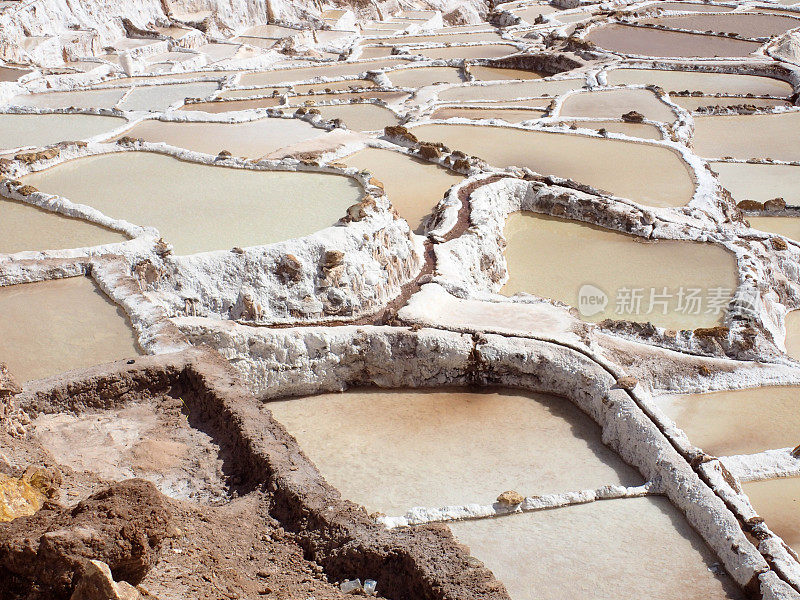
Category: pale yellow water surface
[778,501]
[25,227]
[424,76]
[509,115]
[18,131]
[554,258]
[251,139]
[640,130]
[715,421]
[793,334]
[708,83]
[413,186]
[788,226]
[745,24]
[361,116]
[607,550]
[330,70]
[478,51]
[753,181]
[54,326]
[482,73]
[512,90]
[612,104]
[652,175]
[644,41]
[747,136]
[692,103]
[394,449]
[198,207]
[161,97]
[99,98]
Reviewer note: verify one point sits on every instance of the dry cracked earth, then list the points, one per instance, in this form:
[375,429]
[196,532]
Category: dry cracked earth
[402,298]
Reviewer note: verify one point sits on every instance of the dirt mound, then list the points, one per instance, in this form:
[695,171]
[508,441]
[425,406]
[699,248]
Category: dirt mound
[122,525]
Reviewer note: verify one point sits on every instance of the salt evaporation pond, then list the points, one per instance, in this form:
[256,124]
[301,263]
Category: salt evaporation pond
[692,103]
[98,98]
[571,254]
[713,421]
[483,73]
[639,130]
[645,173]
[439,447]
[360,116]
[477,51]
[612,104]
[644,41]
[161,97]
[26,227]
[251,139]
[18,131]
[792,341]
[778,501]
[746,136]
[761,182]
[53,326]
[607,550]
[508,114]
[247,207]
[511,91]
[233,105]
[413,186]
[331,70]
[786,226]
[694,81]
[424,76]
[747,25]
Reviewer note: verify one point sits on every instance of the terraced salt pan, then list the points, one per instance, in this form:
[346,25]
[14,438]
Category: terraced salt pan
[708,83]
[17,131]
[613,104]
[481,73]
[793,334]
[478,51]
[251,139]
[456,38]
[644,41]
[571,254]
[689,6]
[747,24]
[644,131]
[761,182]
[508,115]
[627,548]
[778,501]
[181,199]
[714,421]
[413,186]
[25,227]
[376,52]
[511,91]
[232,105]
[389,97]
[424,76]
[333,70]
[7,74]
[692,103]
[652,175]
[361,116]
[99,98]
[161,97]
[530,13]
[787,226]
[434,448]
[54,326]
[745,136]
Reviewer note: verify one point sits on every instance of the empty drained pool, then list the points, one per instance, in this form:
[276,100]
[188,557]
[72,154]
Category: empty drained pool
[26,227]
[571,255]
[247,207]
[652,175]
[251,139]
[738,421]
[607,550]
[54,326]
[413,186]
[391,450]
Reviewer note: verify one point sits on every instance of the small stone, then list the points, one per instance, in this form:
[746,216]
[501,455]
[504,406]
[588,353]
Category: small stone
[98,584]
[510,498]
[796,452]
[775,204]
[627,382]
[750,205]
[351,586]
[633,117]
[778,243]
[332,258]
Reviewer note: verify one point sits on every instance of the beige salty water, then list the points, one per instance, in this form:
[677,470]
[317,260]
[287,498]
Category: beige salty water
[652,175]
[747,136]
[793,334]
[247,207]
[17,131]
[644,131]
[739,421]
[616,102]
[778,501]
[26,227]
[484,73]
[394,449]
[511,90]
[751,25]
[54,326]
[786,226]
[251,139]
[509,115]
[694,81]
[606,550]
[692,103]
[570,254]
[361,116]
[413,186]
[422,76]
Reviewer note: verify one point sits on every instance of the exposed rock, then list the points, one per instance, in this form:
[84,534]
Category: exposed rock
[98,584]
[8,384]
[750,205]
[26,190]
[23,496]
[775,204]
[289,268]
[778,243]
[358,212]
[718,332]
[510,498]
[122,525]
[627,382]
[332,259]
[796,452]
[163,248]
[31,157]
[147,273]
[398,131]
[429,151]
[633,117]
